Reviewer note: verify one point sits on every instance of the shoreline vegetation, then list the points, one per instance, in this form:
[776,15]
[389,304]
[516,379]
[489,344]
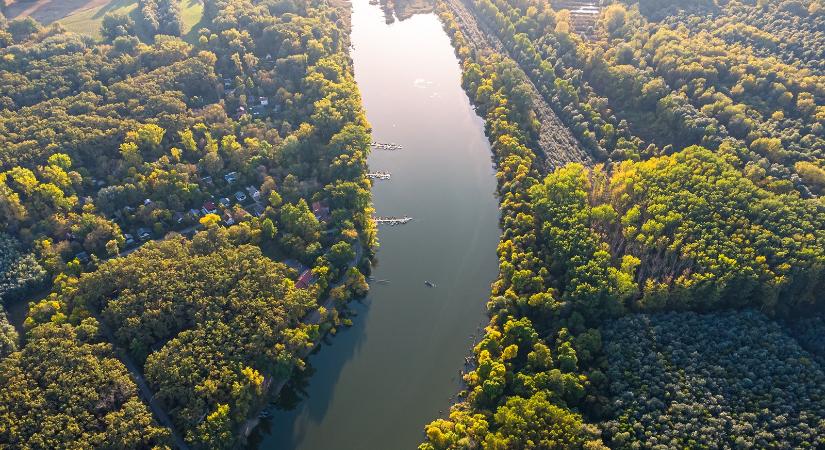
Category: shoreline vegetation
[643,230]
[187,182]
[250,136]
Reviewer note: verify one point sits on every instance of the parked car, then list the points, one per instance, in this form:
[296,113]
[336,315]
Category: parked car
[130,240]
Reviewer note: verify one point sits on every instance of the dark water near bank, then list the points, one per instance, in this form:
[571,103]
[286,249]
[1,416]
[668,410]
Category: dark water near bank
[381,381]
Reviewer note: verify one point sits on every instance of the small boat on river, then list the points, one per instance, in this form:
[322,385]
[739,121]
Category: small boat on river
[429,284]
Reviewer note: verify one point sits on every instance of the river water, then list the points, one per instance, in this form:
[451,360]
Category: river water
[377,384]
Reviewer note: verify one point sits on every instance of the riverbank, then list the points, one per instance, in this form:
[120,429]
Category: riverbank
[556,143]
[399,363]
[314,317]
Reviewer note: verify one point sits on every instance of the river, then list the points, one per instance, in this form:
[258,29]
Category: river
[377,384]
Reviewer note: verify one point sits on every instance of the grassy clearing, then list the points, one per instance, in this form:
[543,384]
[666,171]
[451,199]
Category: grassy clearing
[88,21]
[85,16]
[191,12]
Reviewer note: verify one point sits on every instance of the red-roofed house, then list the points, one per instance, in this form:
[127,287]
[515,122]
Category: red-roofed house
[304,280]
[209,208]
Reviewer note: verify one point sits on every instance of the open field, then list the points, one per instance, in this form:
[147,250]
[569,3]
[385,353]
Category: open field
[85,16]
[191,12]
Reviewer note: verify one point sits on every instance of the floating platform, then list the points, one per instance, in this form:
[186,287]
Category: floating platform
[385,146]
[379,175]
[392,221]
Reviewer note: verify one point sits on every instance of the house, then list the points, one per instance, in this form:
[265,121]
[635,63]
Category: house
[228,219]
[264,101]
[130,240]
[253,192]
[321,211]
[231,177]
[194,213]
[257,210]
[147,202]
[207,180]
[305,279]
[209,208]
[178,218]
[225,202]
[227,83]
[83,257]
[240,196]
[143,234]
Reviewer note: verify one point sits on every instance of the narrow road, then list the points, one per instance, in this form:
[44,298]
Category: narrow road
[556,141]
[143,387]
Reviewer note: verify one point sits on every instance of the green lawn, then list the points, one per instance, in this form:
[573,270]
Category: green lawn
[191,12]
[88,21]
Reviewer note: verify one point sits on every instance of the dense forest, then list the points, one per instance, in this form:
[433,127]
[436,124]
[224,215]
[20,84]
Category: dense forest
[623,315]
[155,185]
[187,213]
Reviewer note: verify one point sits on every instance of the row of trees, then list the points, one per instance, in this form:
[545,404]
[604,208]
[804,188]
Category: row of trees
[528,378]
[160,17]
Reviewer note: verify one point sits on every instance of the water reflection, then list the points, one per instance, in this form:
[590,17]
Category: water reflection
[381,381]
[404,9]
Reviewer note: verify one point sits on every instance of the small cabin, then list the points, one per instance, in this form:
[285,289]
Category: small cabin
[304,280]
[209,208]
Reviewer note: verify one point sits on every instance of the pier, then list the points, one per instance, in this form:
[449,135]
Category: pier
[392,221]
[379,175]
[384,146]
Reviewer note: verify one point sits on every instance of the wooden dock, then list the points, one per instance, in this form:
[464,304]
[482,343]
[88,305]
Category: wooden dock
[392,221]
[379,176]
[385,146]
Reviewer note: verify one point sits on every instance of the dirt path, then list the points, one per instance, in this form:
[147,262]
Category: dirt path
[555,140]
